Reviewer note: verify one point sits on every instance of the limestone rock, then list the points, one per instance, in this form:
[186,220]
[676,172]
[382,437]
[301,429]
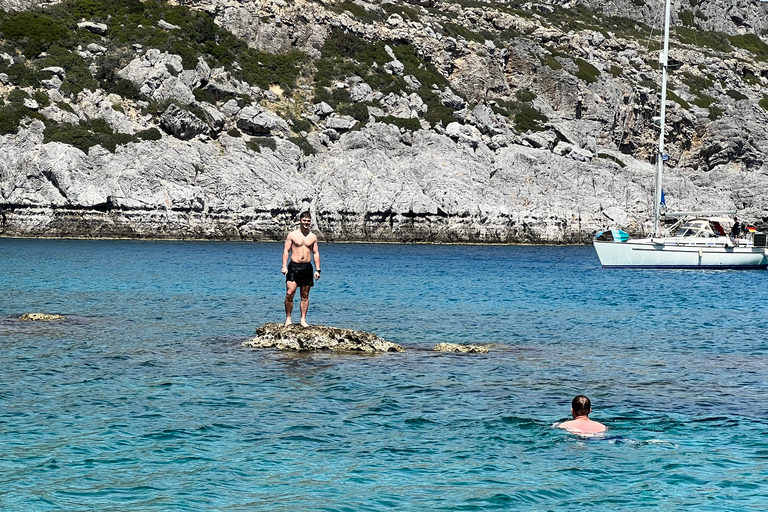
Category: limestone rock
[40,317]
[96,28]
[167,26]
[464,349]
[255,120]
[319,337]
[182,124]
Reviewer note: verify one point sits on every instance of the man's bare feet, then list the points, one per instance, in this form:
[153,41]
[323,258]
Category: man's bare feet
[288,322]
[304,323]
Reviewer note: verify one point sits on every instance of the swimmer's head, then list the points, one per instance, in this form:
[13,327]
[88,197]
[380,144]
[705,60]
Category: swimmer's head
[581,406]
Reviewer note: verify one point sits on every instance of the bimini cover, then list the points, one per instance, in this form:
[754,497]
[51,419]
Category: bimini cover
[612,235]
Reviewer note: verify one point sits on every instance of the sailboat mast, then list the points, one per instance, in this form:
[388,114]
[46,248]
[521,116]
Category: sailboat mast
[662,123]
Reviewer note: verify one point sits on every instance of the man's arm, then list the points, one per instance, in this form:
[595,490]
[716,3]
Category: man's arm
[316,253]
[286,254]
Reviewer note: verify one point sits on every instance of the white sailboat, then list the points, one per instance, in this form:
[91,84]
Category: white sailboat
[700,239]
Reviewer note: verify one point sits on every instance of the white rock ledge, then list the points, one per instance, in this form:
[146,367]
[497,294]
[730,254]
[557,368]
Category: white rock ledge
[319,337]
[40,317]
[465,349]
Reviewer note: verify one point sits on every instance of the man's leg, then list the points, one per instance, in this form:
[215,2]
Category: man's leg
[304,304]
[290,292]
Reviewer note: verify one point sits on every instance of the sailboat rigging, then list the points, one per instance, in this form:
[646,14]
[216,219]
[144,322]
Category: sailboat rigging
[700,239]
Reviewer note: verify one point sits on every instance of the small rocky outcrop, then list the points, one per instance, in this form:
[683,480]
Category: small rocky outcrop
[40,317]
[319,337]
[464,349]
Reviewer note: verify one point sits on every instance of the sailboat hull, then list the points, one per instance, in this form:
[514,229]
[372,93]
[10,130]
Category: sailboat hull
[647,253]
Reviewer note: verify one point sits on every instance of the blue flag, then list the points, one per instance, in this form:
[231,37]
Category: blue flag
[663,202]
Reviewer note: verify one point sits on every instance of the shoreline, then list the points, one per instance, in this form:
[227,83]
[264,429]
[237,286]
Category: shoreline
[271,240]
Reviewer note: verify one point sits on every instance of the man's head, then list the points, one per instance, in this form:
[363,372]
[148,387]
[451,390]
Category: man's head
[305,219]
[581,406]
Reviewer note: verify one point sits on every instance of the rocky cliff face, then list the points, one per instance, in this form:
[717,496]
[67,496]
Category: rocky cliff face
[432,121]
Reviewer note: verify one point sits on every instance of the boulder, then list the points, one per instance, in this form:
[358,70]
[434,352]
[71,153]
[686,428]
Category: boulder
[319,337]
[464,349]
[182,124]
[255,120]
[40,317]
[96,28]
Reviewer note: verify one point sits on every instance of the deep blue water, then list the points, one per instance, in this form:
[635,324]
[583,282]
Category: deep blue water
[144,398]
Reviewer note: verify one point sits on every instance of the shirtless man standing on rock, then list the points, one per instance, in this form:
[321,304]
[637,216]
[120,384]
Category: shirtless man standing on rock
[301,245]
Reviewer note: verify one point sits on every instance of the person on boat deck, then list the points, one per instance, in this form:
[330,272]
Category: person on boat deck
[581,424]
[736,228]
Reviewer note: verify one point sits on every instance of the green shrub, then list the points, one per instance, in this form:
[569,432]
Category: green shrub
[17,97]
[34,32]
[357,110]
[436,113]
[677,99]
[86,135]
[715,112]
[763,102]
[304,145]
[359,12]
[264,69]
[528,118]
[41,98]
[550,61]
[302,125]
[455,30]
[149,134]
[587,71]
[750,78]
[736,95]
[25,76]
[78,76]
[11,115]
[256,143]
[751,43]
[616,71]
[411,124]
[340,96]
[204,95]
[701,38]
[696,84]
[525,95]
[405,12]
[704,101]
[121,87]
[424,72]
[63,105]
[686,18]
[234,132]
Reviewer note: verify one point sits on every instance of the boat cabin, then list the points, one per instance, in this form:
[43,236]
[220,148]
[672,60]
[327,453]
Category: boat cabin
[702,228]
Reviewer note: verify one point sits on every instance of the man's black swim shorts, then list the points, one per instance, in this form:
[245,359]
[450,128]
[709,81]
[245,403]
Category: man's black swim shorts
[300,273]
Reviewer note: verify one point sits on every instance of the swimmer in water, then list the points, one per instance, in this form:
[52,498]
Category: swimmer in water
[581,424]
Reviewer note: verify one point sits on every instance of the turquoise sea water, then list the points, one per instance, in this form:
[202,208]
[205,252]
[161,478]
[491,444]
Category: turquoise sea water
[144,398]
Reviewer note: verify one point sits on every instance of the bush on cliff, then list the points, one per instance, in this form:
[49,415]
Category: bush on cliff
[78,76]
[33,32]
[86,135]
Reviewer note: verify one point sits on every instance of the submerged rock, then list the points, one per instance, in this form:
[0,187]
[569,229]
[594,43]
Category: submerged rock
[455,347]
[319,337]
[39,317]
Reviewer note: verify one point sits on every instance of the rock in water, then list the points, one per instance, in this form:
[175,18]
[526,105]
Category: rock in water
[39,317]
[319,337]
[455,347]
